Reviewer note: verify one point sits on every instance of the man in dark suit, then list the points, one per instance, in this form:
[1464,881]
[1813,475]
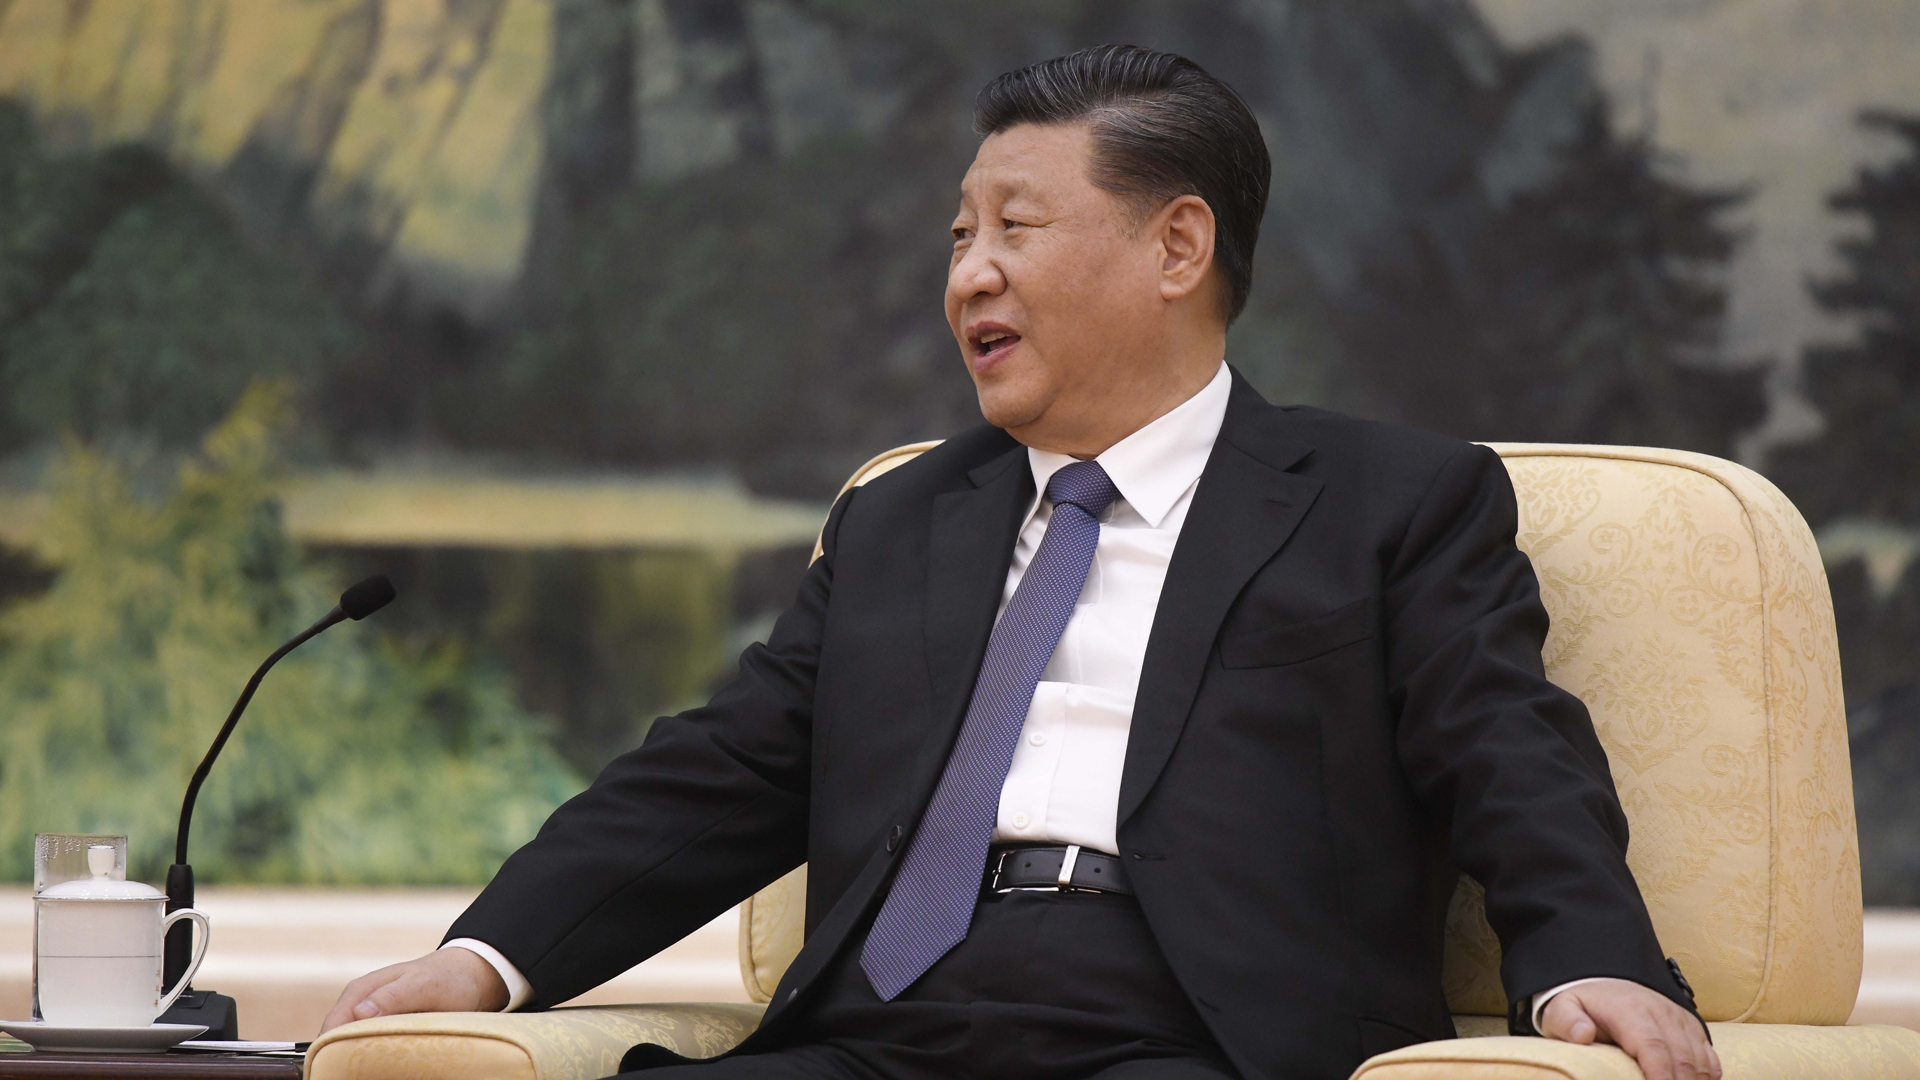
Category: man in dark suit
[1138,732]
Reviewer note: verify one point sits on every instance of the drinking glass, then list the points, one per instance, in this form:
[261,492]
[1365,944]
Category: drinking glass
[59,858]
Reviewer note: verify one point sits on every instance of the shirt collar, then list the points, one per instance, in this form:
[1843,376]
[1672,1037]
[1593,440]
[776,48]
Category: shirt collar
[1156,465]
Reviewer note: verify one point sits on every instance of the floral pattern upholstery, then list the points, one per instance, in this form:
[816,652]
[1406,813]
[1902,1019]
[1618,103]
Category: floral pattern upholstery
[772,926]
[1690,611]
[1747,1052]
[562,1044]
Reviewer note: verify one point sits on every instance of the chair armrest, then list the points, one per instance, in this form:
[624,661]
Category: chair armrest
[583,1043]
[1747,1052]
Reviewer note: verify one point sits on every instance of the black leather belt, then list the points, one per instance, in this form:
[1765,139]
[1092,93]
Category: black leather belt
[1067,868]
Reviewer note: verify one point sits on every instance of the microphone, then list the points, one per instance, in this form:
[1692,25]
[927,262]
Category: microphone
[206,1007]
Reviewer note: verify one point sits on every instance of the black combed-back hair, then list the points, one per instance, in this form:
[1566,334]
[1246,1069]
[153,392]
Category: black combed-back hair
[1162,128]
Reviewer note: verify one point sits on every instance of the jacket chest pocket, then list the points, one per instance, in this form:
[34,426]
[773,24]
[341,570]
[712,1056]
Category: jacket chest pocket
[1290,643]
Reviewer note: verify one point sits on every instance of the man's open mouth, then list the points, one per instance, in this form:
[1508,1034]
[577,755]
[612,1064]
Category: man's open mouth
[993,345]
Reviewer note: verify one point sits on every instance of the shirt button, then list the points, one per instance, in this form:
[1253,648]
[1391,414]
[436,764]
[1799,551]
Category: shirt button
[1038,738]
[893,838]
[1020,821]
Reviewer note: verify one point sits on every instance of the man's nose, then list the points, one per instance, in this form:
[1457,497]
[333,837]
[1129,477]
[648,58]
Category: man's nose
[977,273]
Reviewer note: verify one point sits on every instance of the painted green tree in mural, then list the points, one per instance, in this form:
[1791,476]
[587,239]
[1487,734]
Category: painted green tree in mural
[130,303]
[359,761]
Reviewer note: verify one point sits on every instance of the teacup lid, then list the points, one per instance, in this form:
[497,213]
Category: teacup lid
[102,885]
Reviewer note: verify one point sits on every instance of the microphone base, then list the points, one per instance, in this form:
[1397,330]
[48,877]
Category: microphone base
[220,1013]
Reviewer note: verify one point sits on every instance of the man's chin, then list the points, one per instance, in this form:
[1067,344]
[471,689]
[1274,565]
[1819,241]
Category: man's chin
[1007,410]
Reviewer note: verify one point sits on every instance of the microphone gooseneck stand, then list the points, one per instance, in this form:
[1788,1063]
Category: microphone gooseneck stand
[218,1012]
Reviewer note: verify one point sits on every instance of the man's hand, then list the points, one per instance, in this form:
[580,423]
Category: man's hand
[1664,1038]
[447,980]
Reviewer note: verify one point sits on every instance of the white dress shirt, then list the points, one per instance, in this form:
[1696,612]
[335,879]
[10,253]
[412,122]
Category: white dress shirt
[1064,784]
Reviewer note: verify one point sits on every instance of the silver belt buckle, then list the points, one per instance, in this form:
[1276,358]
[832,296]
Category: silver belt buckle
[1063,881]
[999,867]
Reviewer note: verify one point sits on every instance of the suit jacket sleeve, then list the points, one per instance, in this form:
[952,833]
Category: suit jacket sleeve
[710,808]
[1507,758]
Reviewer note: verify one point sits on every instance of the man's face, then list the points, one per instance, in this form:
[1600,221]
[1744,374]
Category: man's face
[1053,293]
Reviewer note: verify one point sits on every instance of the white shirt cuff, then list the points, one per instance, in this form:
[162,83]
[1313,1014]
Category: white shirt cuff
[1540,1000]
[518,988]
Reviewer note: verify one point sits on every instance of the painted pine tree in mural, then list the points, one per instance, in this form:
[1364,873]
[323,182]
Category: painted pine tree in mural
[1863,473]
[1578,299]
[1866,463]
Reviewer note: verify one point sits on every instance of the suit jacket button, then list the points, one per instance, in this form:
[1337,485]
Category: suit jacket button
[893,838]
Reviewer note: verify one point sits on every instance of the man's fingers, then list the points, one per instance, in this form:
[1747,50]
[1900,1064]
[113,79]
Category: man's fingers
[1667,1041]
[1667,1044]
[446,980]
[1637,1030]
[1692,1056]
[342,1011]
[356,993]
[1653,1054]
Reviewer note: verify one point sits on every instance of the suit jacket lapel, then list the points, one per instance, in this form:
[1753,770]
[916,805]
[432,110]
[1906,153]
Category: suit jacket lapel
[974,530]
[971,546]
[1245,508]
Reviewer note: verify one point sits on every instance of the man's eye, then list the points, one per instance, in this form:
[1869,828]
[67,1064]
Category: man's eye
[1009,223]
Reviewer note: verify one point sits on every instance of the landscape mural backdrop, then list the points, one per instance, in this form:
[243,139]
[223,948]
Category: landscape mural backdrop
[573,314]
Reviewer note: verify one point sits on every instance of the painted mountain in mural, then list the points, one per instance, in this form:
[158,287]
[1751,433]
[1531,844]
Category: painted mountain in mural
[689,230]
[408,131]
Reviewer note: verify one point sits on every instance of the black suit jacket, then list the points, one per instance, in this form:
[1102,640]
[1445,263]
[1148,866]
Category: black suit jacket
[1341,702]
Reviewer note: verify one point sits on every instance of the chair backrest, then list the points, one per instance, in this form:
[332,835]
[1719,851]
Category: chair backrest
[1690,611]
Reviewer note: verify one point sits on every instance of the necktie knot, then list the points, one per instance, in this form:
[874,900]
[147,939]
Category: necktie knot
[1084,484]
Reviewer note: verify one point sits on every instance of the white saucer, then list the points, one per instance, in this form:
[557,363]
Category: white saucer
[151,1039]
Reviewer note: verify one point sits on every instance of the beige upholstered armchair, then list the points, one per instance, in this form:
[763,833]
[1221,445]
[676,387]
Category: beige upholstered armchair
[1691,613]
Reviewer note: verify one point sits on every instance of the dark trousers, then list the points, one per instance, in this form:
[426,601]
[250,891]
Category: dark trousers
[1046,986]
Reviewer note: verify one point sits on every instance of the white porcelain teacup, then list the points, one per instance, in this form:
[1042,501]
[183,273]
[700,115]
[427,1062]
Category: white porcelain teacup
[99,953]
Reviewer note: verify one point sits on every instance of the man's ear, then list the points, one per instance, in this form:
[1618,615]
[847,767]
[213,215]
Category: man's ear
[1185,228]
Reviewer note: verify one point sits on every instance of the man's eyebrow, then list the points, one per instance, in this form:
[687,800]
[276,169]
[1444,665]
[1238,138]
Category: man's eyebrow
[1004,187]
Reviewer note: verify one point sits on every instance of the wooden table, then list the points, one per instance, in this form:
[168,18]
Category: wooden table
[174,1065]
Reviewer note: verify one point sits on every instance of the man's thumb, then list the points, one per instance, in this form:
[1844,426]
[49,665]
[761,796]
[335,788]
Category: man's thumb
[379,1003]
[1567,1020]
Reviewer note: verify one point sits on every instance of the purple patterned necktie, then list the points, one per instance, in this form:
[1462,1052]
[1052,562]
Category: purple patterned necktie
[931,903]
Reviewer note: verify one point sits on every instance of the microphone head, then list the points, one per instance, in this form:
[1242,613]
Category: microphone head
[367,597]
